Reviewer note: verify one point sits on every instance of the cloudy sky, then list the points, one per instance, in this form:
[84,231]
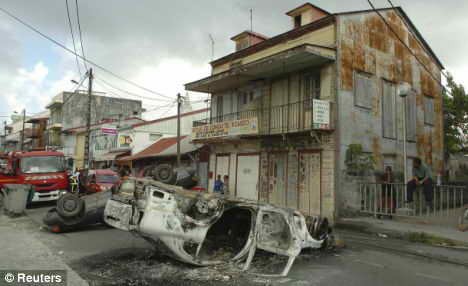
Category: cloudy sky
[163,44]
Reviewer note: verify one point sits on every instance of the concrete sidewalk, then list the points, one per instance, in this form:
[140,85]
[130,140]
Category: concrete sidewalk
[399,229]
[21,250]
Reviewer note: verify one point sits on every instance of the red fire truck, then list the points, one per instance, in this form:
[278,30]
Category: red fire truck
[43,169]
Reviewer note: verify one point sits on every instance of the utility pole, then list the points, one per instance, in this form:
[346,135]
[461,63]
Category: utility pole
[22,131]
[179,104]
[88,119]
[4,134]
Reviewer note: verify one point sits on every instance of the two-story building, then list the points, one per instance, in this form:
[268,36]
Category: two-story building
[291,114]
[68,111]
[17,133]
[37,138]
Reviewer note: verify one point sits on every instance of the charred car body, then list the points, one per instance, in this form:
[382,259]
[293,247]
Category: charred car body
[194,227]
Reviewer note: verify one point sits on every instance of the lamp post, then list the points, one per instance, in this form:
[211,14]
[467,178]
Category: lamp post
[403,91]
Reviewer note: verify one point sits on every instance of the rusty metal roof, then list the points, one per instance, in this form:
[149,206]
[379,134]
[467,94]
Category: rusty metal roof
[164,147]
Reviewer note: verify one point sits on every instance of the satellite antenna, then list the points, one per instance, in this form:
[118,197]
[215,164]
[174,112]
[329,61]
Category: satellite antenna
[251,20]
[212,46]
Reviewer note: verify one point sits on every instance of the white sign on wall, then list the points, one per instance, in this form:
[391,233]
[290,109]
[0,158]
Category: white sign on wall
[321,111]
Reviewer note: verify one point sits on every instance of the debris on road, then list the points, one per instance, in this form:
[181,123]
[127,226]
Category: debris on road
[208,229]
[382,235]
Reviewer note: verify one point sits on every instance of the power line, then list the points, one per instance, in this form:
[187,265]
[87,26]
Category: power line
[393,6]
[170,105]
[81,57]
[169,109]
[120,96]
[73,37]
[79,28]
[130,93]
[406,46]
[85,76]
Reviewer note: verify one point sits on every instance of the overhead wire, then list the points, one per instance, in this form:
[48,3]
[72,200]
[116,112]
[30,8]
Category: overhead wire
[393,6]
[108,91]
[406,46]
[169,109]
[79,28]
[82,57]
[72,36]
[130,93]
[170,105]
[80,83]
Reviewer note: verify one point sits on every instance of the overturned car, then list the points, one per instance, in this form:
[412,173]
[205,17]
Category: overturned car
[205,229]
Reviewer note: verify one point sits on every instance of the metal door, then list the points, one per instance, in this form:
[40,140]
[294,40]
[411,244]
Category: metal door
[222,166]
[277,178]
[247,176]
[309,183]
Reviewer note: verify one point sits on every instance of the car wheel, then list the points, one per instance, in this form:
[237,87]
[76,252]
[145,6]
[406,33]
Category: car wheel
[70,205]
[165,174]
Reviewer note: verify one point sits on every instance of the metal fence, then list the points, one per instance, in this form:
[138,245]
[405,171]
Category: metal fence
[391,200]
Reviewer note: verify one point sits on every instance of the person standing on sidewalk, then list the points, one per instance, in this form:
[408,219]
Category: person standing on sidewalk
[388,198]
[422,177]
[218,185]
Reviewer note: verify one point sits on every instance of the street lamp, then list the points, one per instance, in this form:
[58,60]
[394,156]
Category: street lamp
[404,90]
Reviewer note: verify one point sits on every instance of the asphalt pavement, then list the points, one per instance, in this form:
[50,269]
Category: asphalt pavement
[106,256]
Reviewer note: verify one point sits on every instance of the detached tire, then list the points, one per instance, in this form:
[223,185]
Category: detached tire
[165,174]
[70,205]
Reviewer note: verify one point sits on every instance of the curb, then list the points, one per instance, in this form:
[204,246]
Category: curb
[367,228]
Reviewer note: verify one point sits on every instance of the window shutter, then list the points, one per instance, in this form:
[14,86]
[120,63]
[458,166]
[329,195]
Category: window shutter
[388,110]
[428,110]
[363,90]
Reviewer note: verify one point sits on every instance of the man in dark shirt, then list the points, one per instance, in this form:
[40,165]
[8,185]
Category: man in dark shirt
[422,177]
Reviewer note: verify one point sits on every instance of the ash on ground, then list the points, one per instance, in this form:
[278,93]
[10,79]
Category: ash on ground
[147,267]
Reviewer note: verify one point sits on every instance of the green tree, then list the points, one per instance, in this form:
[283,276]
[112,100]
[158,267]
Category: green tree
[455,117]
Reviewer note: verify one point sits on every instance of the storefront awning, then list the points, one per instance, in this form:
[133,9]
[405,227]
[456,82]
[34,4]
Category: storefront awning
[109,156]
[294,59]
[164,147]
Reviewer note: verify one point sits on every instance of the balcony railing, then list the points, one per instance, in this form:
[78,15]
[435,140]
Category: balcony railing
[281,119]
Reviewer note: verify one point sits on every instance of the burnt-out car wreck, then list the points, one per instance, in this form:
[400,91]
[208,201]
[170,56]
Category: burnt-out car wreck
[205,229]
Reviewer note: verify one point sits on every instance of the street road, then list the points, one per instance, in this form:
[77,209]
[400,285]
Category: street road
[106,256]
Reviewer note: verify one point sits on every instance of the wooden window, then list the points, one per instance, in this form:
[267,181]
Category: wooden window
[429,110]
[411,118]
[297,21]
[364,90]
[312,89]
[219,108]
[388,109]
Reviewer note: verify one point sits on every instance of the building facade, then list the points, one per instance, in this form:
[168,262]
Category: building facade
[297,119]
[68,112]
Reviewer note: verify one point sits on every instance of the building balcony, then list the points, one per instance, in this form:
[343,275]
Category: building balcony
[33,133]
[56,126]
[303,116]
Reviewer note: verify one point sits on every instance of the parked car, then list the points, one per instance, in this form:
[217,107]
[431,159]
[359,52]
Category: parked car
[95,181]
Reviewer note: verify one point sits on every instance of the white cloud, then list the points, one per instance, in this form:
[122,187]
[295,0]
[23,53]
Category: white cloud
[32,90]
